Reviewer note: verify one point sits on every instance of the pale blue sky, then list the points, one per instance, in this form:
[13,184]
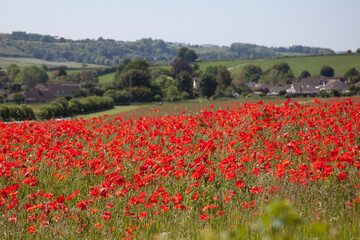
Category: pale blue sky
[318,23]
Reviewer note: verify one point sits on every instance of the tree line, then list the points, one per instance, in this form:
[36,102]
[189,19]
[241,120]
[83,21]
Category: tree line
[110,52]
[137,81]
[281,74]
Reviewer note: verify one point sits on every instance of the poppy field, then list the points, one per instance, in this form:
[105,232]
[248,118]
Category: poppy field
[247,171]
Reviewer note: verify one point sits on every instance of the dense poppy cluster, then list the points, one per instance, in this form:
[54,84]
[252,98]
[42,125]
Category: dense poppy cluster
[126,176]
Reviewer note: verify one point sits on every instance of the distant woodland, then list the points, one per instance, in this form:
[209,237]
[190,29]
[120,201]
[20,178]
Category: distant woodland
[111,52]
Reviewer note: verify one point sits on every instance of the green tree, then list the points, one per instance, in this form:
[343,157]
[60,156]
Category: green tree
[277,74]
[142,94]
[184,82]
[282,93]
[136,73]
[353,75]
[60,79]
[13,71]
[239,85]
[164,81]
[223,77]
[88,76]
[4,80]
[212,70]
[19,98]
[252,73]
[32,75]
[156,72]
[44,66]
[178,66]
[207,85]
[327,71]
[186,54]
[305,74]
[62,71]
[172,93]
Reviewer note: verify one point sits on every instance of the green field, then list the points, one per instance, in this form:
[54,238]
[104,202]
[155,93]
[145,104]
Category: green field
[108,78]
[5,61]
[313,64]
[115,111]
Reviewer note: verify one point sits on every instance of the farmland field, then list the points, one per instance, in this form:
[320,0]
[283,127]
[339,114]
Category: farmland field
[107,78]
[274,169]
[5,61]
[313,64]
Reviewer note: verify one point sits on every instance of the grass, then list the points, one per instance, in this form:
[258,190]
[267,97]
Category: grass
[313,64]
[108,78]
[5,61]
[227,63]
[116,111]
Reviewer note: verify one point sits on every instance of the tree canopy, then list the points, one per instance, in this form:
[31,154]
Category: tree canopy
[327,71]
[252,73]
[207,85]
[178,66]
[277,74]
[111,52]
[353,75]
[305,74]
[32,75]
[136,73]
[186,54]
[184,82]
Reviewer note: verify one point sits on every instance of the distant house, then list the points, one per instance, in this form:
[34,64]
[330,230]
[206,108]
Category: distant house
[45,93]
[335,84]
[196,81]
[260,87]
[274,91]
[250,84]
[312,86]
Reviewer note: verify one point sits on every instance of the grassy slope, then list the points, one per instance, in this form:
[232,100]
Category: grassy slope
[108,78]
[313,64]
[202,50]
[5,61]
[116,111]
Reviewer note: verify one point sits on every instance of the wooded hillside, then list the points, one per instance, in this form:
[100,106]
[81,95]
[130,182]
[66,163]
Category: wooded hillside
[110,52]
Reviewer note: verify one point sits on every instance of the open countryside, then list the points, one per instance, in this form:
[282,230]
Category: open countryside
[106,139]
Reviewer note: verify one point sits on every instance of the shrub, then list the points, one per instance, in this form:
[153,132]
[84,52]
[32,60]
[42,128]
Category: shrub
[60,107]
[327,71]
[172,94]
[335,93]
[110,93]
[323,93]
[185,95]
[4,113]
[28,112]
[142,94]
[157,98]
[282,92]
[18,113]
[19,98]
[75,106]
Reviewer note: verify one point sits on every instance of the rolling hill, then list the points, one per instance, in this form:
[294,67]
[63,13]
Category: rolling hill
[111,52]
